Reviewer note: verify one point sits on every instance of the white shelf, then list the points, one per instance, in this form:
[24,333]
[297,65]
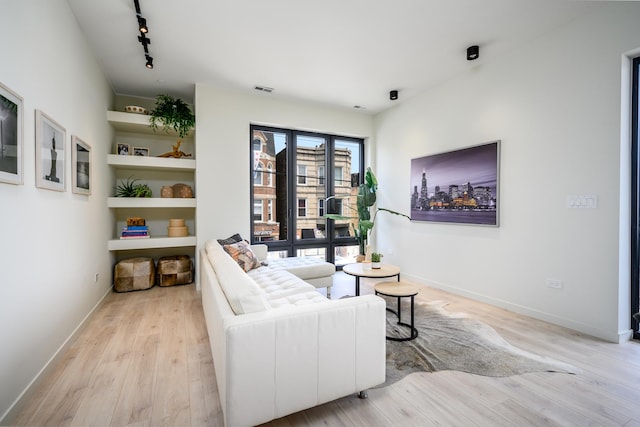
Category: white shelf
[150,202]
[137,123]
[151,243]
[151,163]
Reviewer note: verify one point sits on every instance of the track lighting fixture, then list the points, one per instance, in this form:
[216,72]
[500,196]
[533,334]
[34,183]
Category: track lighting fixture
[473,52]
[393,95]
[142,38]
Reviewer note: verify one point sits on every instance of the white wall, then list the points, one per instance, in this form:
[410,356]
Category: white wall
[555,104]
[222,149]
[51,243]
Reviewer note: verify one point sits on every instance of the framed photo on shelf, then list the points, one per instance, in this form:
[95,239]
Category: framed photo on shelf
[11,148]
[123,149]
[80,166]
[141,151]
[51,152]
[459,186]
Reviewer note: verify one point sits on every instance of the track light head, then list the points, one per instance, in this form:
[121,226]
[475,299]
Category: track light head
[393,95]
[149,63]
[142,25]
[473,52]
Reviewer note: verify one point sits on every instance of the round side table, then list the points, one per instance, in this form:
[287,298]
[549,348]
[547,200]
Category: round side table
[400,290]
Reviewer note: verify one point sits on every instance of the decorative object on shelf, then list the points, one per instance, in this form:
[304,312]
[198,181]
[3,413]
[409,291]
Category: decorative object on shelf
[365,200]
[134,274]
[51,148]
[141,151]
[174,270]
[135,109]
[123,149]
[135,232]
[136,220]
[166,192]
[129,188]
[176,152]
[172,113]
[80,166]
[376,258]
[177,228]
[182,191]
[11,147]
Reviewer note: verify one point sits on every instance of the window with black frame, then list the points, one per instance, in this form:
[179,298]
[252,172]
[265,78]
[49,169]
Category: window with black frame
[297,178]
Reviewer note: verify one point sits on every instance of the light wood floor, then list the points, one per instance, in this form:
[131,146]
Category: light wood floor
[143,359]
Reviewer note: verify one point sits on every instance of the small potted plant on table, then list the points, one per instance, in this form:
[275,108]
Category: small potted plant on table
[375,259]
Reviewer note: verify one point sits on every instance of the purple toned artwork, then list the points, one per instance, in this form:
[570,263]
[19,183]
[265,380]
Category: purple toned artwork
[458,186]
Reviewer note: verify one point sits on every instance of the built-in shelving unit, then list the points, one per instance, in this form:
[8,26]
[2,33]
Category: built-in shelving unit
[134,130]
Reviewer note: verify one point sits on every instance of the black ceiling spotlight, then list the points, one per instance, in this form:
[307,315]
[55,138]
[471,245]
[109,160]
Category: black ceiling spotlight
[145,42]
[473,52]
[393,95]
[149,63]
[142,25]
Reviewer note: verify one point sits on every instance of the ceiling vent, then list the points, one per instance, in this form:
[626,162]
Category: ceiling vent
[264,89]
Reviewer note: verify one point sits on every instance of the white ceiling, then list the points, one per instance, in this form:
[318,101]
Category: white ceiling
[334,52]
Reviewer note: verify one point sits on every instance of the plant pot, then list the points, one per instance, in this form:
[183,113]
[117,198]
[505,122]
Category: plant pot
[376,265]
[360,258]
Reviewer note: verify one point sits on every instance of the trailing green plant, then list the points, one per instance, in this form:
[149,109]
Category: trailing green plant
[129,188]
[376,257]
[365,200]
[172,113]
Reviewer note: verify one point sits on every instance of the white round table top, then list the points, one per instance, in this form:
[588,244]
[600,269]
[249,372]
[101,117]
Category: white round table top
[358,269]
[396,289]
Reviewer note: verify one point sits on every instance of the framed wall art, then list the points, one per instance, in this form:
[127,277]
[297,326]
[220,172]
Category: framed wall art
[141,151]
[80,166]
[51,152]
[458,186]
[11,148]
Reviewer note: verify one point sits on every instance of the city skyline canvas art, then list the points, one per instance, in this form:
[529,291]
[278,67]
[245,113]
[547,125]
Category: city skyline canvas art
[459,186]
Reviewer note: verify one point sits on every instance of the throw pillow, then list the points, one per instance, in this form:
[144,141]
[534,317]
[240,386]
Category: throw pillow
[230,240]
[241,252]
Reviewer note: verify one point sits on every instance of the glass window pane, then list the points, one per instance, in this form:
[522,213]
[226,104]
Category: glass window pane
[310,161]
[270,168]
[320,253]
[347,156]
[346,254]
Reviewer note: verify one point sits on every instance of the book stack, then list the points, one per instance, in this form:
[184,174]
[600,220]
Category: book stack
[136,229]
[135,232]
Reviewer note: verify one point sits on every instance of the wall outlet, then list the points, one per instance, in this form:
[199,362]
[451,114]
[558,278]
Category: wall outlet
[554,283]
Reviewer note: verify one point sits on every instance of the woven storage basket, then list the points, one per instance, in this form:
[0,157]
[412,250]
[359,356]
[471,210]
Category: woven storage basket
[134,274]
[174,270]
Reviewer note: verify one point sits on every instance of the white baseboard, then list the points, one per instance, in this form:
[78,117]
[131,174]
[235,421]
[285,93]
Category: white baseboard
[615,337]
[27,393]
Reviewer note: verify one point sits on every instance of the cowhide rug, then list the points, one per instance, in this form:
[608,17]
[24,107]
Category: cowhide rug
[455,341]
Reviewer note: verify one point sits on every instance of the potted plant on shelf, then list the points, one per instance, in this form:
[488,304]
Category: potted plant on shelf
[365,200]
[376,259]
[172,113]
[129,188]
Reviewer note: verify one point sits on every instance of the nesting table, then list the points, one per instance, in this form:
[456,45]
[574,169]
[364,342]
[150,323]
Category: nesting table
[358,270]
[400,290]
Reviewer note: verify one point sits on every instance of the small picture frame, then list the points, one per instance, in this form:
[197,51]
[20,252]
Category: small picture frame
[123,149]
[11,147]
[141,151]
[80,166]
[51,152]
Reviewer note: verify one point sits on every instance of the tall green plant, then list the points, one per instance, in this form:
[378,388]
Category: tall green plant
[366,198]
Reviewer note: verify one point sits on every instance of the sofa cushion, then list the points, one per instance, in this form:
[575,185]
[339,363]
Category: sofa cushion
[243,294]
[241,252]
[304,267]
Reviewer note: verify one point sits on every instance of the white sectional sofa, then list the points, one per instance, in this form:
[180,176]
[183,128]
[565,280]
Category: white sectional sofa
[279,346]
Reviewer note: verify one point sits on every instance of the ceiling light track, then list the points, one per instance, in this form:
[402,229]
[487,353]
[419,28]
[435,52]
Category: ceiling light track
[142,38]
